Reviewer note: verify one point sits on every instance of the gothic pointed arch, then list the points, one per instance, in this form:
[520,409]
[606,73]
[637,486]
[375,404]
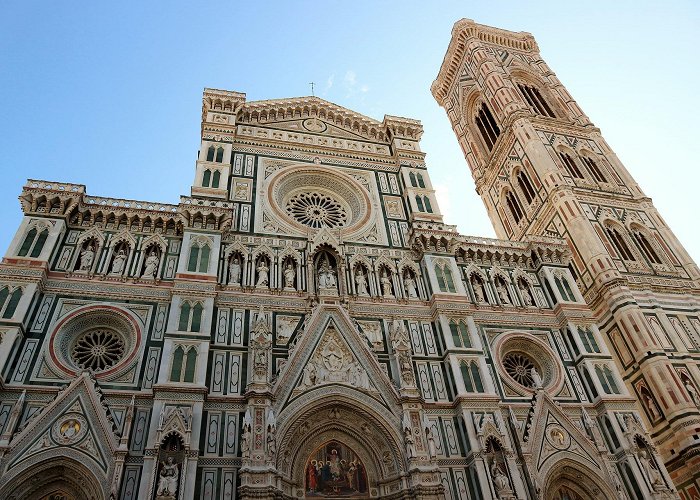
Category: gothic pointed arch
[75,428]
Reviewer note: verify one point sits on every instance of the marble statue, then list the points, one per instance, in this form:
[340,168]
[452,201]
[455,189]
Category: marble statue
[151,265]
[410,285]
[167,483]
[500,480]
[234,271]
[326,277]
[86,258]
[537,382]
[119,262]
[361,283]
[263,274]
[289,275]
[386,285]
[502,292]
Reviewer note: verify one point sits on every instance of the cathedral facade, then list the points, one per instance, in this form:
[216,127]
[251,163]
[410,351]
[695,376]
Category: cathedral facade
[305,325]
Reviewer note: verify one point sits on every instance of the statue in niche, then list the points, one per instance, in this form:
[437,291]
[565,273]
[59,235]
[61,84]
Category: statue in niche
[410,443]
[537,382]
[500,480]
[86,258]
[692,392]
[234,271]
[263,274]
[289,275]
[151,268]
[326,276]
[649,403]
[119,262]
[432,449]
[525,293]
[410,285]
[408,377]
[478,290]
[502,291]
[361,282]
[167,483]
[386,284]
[650,468]
[245,442]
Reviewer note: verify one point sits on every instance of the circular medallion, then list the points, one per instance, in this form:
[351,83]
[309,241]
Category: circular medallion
[69,429]
[519,366]
[557,437]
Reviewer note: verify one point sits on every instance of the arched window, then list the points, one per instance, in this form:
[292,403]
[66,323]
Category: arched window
[471,376]
[534,98]
[444,278]
[199,258]
[619,243]
[206,178]
[190,317]
[220,155]
[572,343]
[419,178]
[588,340]
[184,322]
[564,288]
[487,126]
[514,206]
[526,186]
[176,369]
[215,179]
[210,153]
[419,203]
[33,243]
[184,364]
[460,334]
[607,379]
[7,307]
[570,165]
[610,377]
[412,178]
[645,247]
[594,169]
[190,364]
[428,207]
[614,442]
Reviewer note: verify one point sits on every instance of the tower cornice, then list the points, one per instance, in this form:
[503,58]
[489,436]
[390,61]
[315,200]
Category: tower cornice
[464,30]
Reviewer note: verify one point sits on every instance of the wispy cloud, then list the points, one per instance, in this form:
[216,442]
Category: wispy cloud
[329,84]
[352,86]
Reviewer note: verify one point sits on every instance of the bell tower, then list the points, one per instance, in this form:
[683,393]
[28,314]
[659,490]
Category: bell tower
[543,169]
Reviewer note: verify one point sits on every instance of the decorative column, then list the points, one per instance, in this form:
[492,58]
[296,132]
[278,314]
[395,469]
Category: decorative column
[259,439]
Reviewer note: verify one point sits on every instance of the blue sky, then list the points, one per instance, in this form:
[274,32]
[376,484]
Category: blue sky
[108,94]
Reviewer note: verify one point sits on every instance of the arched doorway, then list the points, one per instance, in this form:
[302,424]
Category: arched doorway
[334,470]
[54,479]
[572,480]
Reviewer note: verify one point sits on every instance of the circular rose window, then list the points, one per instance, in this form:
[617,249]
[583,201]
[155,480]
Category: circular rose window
[315,196]
[519,366]
[526,362]
[101,339]
[98,349]
[317,210]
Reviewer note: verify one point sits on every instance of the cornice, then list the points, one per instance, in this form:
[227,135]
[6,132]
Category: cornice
[464,30]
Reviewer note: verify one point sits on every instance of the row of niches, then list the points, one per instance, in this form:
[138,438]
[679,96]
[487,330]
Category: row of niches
[328,274]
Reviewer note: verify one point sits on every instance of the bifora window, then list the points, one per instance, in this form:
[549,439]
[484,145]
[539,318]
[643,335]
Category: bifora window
[317,210]
[98,349]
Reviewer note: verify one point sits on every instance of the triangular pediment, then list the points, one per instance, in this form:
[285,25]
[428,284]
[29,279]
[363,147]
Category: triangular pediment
[554,434]
[330,351]
[76,422]
[312,115]
[315,126]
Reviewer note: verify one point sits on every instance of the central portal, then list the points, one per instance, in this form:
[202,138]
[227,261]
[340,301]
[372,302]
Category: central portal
[335,471]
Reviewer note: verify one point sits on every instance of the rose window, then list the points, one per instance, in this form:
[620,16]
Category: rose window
[98,350]
[519,367]
[317,210]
